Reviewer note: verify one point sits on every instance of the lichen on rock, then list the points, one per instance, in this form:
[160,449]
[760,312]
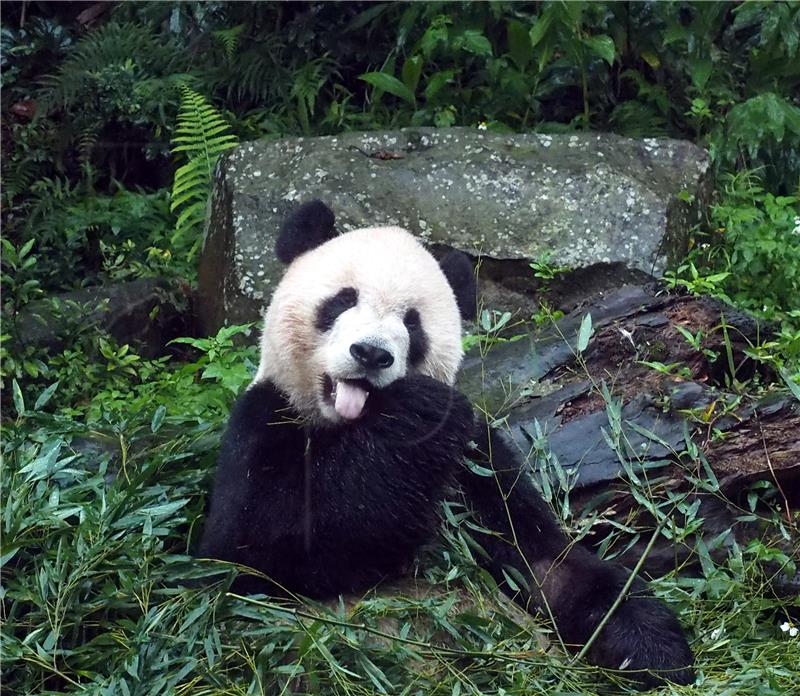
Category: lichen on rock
[582,199]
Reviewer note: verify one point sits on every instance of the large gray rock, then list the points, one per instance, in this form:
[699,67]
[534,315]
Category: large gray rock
[584,199]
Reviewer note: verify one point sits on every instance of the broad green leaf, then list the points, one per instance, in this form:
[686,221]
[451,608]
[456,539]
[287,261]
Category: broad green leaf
[538,31]
[406,23]
[199,343]
[571,11]
[791,382]
[585,333]
[45,396]
[19,402]
[23,252]
[389,83]
[717,277]
[674,33]
[437,33]
[228,332]
[412,69]
[369,15]
[436,82]
[700,71]
[475,42]
[602,46]
[519,43]
[158,418]
[9,253]
[651,59]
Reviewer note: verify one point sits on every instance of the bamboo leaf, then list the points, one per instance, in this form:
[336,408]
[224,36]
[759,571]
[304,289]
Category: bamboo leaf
[585,333]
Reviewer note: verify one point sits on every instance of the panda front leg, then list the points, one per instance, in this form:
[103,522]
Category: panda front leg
[377,482]
[571,584]
[255,508]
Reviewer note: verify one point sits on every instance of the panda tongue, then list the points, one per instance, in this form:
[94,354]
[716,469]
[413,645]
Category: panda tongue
[350,400]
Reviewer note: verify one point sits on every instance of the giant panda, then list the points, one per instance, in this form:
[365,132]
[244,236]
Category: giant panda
[337,456]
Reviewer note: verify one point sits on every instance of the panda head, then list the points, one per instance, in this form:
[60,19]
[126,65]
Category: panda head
[357,311]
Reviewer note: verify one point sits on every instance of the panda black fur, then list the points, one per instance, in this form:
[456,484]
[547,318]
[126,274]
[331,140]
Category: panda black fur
[337,456]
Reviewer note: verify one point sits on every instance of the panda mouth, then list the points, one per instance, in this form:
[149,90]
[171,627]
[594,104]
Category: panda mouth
[347,396]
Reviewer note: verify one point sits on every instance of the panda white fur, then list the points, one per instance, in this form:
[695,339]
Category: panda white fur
[369,288]
[338,455]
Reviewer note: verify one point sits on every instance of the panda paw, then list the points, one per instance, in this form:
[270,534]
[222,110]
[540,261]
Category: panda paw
[418,400]
[419,412]
[644,640]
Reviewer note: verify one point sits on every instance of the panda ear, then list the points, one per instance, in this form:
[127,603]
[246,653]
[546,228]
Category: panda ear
[460,273]
[304,229]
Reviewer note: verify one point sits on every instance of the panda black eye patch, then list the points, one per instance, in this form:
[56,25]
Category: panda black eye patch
[328,312]
[417,338]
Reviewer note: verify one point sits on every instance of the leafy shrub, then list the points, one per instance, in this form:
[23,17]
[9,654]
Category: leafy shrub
[120,236]
[118,76]
[763,131]
[762,246]
[751,258]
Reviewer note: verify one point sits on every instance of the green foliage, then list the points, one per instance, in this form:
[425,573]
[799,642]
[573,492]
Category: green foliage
[107,455]
[20,286]
[220,362]
[762,246]
[764,131]
[687,276]
[191,391]
[100,593]
[307,83]
[201,134]
[123,235]
[494,327]
[119,73]
[545,270]
[751,258]
[18,275]
[482,65]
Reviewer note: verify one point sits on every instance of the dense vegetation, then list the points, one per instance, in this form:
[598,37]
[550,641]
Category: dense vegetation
[112,118]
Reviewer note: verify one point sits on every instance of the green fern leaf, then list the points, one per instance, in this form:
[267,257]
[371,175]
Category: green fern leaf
[229,39]
[201,136]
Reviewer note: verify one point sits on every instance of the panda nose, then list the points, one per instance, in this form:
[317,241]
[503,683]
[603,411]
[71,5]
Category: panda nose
[371,356]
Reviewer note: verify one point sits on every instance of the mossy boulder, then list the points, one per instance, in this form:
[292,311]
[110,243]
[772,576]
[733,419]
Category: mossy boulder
[581,199]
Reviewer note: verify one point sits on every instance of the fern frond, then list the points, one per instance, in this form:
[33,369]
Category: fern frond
[201,136]
[229,39]
[17,177]
[257,74]
[87,139]
[307,83]
[112,44]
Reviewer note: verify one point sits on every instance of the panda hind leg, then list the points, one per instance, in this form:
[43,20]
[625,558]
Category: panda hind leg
[642,637]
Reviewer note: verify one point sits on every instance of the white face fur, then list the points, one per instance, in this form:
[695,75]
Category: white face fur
[315,319]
